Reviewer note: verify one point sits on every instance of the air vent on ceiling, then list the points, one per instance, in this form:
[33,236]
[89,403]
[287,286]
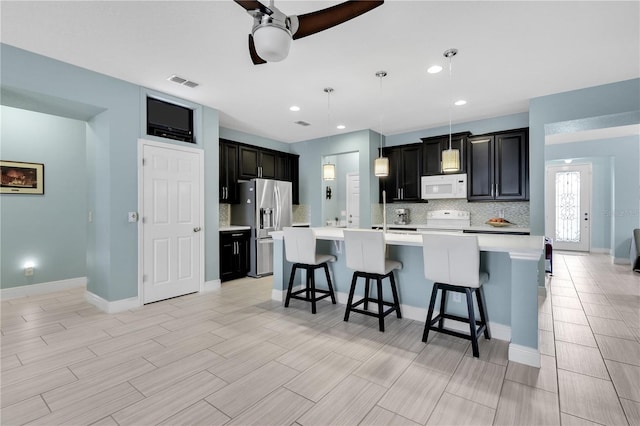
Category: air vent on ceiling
[302,123]
[183,81]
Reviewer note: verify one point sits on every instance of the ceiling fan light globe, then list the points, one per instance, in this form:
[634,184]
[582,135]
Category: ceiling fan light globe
[272,42]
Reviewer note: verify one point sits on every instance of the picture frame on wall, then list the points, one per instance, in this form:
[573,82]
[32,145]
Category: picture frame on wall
[17,177]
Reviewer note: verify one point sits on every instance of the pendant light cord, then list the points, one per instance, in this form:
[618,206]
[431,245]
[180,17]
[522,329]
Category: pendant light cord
[450,98]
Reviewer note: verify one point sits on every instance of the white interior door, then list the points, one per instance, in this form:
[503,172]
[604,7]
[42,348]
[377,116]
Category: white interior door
[568,206]
[353,200]
[172,202]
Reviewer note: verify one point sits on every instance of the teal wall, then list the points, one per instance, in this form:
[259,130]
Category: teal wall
[114,111]
[237,136]
[479,127]
[594,107]
[615,188]
[312,187]
[48,229]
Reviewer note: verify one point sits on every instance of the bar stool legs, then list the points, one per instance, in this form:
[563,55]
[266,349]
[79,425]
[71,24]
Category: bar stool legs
[309,290]
[394,306]
[476,327]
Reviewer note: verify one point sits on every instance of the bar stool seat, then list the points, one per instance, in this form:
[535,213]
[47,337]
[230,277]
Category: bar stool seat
[452,262]
[365,252]
[300,249]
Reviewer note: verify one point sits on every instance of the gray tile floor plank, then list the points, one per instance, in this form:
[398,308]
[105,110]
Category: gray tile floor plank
[59,346]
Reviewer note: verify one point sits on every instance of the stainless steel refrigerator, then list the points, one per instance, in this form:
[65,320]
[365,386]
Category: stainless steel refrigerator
[265,205]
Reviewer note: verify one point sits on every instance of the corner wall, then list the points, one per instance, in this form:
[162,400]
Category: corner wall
[49,230]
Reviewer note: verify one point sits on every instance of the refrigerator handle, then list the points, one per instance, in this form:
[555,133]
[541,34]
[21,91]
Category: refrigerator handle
[277,212]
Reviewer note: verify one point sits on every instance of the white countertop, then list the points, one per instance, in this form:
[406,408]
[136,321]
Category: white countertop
[478,228]
[234,228]
[527,245]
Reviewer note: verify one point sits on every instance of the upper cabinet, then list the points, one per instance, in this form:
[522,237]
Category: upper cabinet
[432,152]
[256,163]
[240,162]
[228,191]
[405,166]
[498,166]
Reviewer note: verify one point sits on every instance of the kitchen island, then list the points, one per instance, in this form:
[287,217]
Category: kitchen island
[515,264]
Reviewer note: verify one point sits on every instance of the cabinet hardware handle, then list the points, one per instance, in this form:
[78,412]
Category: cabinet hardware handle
[236,235]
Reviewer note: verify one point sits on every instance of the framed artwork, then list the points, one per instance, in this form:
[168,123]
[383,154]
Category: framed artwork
[21,178]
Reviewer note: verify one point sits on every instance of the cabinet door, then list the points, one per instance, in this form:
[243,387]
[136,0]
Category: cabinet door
[226,256]
[410,159]
[243,255]
[267,164]
[511,177]
[480,184]
[432,157]
[248,163]
[294,167]
[283,169]
[228,173]
[389,184]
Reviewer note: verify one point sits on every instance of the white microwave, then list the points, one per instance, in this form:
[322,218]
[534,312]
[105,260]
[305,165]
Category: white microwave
[443,186]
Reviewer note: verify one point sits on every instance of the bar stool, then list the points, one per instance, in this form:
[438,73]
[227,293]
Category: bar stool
[300,249]
[365,251]
[452,262]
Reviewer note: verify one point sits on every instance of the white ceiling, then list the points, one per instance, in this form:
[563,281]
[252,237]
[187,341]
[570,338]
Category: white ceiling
[509,52]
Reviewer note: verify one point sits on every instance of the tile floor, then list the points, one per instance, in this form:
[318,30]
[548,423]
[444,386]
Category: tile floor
[236,357]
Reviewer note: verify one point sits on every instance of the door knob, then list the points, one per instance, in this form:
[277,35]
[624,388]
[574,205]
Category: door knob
[197,229]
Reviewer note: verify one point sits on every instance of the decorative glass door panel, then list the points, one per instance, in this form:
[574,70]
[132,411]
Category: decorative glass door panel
[568,206]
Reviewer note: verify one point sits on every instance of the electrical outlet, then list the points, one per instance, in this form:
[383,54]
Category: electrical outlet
[457,297]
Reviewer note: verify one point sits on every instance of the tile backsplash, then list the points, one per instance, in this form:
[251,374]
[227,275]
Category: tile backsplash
[301,214]
[515,212]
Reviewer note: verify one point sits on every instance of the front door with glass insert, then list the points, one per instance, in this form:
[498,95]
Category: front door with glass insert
[568,206]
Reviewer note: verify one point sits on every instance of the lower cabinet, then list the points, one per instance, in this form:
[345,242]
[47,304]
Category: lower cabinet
[234,254]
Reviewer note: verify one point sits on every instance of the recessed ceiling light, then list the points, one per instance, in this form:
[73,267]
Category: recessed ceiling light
[460,102]
[294,108]
[341,126]
[434,69]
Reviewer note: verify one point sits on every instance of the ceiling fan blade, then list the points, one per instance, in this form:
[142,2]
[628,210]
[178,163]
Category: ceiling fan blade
[257,60]
[250,5]
[320,20]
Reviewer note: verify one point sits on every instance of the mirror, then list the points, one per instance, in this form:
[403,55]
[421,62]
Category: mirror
[341,196]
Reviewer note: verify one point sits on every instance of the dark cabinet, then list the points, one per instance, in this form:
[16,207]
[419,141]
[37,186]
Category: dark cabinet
[234,254]
[432,152]
[498,166]
[405,167]
[256,163]
[244,162]
[228,183]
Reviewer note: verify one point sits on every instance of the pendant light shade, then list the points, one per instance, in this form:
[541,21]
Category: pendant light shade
[329,171]
[450,160]
[450,157]
[381,164]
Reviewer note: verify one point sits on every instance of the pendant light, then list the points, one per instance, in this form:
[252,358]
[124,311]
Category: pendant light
[381,164]
[328,169]
[450,157]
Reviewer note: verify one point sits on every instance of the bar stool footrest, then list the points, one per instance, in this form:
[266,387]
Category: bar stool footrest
[325,294]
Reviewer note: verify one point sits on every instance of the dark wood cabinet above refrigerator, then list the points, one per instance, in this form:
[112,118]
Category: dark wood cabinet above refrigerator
[242,162]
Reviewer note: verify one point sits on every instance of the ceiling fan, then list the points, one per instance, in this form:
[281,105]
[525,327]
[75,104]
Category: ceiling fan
[273,31]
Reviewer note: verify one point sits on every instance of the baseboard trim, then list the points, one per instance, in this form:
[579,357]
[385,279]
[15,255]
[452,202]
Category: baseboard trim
[42,288]
[524,355]
[621,261]
[600,250]
[542,291]
[212,285]
[112,307]
[498,331]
